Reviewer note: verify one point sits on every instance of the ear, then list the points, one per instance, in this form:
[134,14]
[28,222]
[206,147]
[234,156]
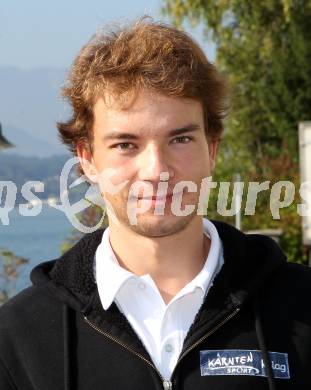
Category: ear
[86,161]
[213,148]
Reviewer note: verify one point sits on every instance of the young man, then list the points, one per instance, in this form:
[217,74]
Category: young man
[165,300]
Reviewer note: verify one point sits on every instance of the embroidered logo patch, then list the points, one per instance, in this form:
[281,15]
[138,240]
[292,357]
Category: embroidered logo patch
[242,362]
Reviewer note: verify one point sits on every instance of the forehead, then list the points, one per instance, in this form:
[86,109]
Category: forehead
[148,112]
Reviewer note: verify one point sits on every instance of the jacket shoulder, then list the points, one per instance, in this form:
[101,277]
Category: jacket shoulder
[290,288]
[297,276]
[28,306]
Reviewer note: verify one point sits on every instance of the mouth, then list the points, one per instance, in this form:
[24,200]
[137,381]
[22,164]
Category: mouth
[160,198]
[156,197]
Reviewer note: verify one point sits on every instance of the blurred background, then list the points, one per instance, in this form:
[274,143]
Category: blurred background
[264,49]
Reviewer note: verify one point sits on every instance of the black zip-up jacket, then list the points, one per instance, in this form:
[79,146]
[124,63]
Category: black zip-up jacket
[252,332]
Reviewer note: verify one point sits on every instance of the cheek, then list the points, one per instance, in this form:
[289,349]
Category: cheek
[194,167]
[195,160]
[204,161]
[113,176]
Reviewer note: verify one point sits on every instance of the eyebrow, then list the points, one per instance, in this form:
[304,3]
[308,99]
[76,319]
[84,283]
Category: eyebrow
[129,136]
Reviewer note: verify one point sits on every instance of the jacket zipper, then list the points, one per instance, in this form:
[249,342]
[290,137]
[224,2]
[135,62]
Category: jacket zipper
[167,385]
[165,382]
[213,330]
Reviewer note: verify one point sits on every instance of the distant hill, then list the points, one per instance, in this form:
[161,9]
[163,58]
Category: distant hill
[30,102]
[27,145]
[21,169]
[47,170]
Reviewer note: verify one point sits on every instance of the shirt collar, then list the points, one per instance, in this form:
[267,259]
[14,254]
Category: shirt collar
[110,276]
[213,260]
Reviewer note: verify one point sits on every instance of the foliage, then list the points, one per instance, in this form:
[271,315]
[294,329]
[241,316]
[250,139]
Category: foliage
[264,48]
[10,265]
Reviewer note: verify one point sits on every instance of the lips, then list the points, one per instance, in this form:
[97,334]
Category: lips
[160,197]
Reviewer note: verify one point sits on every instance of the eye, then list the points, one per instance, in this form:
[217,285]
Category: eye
[183,139]
[123,146]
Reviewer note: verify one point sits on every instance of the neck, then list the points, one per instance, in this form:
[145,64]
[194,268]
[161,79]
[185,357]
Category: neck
[172,261]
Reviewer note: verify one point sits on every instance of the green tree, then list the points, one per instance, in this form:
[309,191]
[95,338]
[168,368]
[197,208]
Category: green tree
[10,265]
[264,49]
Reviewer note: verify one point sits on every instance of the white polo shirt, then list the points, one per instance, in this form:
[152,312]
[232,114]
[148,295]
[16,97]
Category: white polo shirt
[162,328]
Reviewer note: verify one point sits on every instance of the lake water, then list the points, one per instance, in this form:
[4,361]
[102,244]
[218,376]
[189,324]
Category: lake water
[36,238]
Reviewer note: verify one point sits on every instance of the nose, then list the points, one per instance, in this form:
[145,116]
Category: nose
[151,163]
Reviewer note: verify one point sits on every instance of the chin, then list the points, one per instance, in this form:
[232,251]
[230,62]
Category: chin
[160,226]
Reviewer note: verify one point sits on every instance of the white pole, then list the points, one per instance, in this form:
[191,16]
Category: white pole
[238,200]
[305,176]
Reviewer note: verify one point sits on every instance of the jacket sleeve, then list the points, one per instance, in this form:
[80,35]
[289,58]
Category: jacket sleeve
[6,382]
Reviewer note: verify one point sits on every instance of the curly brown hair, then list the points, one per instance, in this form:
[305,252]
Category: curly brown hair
[145,54]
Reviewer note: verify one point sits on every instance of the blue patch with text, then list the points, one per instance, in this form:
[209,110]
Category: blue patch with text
[242,362]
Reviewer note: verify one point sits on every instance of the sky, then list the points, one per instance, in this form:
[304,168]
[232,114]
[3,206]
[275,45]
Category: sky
[36,33]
